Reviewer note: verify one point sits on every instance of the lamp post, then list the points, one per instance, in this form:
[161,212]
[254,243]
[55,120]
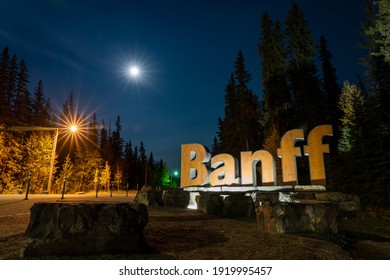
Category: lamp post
[173,177]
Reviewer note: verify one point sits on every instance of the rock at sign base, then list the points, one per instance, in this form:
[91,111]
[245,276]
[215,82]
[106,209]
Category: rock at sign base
[296,217]
[85,228]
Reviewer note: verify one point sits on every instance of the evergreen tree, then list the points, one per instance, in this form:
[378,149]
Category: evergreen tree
[22,111]
[93,133]
[40,113]
[215,146]
[151,169]
[67,171]
[331,90]
[87,158]
[10,162]
[380,29]
[5,98]
[103,142]
[277,98]
[378,70]
[351,104]
[128,164]
[377,90]
[143,164]
[39,155]
[228,137]
[354,157]
[118,178]
[162,174]
[137,168]
[240,129]
[303,80]
[105,177]
[116,143]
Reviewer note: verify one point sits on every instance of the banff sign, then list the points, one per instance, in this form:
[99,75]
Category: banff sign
[198,168]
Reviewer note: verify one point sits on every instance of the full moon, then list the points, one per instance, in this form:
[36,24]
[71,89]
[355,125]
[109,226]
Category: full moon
[134,71]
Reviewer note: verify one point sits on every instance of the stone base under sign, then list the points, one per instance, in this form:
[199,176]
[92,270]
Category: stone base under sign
[281,212]
[286,217]
[235,205]
[85,228]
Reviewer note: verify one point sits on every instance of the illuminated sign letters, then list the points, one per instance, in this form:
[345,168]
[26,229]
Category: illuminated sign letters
[198,168]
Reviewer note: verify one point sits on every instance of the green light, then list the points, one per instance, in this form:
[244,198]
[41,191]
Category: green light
[175,173]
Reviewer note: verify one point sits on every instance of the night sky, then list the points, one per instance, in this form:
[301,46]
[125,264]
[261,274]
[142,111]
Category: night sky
[185,51]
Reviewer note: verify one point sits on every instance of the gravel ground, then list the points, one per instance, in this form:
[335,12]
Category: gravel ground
[180,234]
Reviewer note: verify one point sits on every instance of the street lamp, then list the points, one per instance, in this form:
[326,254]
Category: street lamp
[72,128]
[174,175]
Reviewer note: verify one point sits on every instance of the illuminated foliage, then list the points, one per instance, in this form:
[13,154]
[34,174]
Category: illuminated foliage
[105,177]
[39,148]
[380,30]
[67,170]
[352,105]
[10,162]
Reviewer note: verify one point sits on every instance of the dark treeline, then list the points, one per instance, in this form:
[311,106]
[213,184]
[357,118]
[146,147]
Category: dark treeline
[94,155]
[301,90]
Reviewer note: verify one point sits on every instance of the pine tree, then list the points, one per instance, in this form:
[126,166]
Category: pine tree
[163,174]
[380,29]
[103,144]
[151,179]
[118,178]
[93,134]
[277,97]
[378,97]
[10,162]
[351,104]
[143,164]
[128,164]
[331,90]
[116,144]
[105,177]
[303,80]
[228,137]
[137,168]
[240,130]
[22,111]
[39,155]
[5,98]
[40,114]
[67,171]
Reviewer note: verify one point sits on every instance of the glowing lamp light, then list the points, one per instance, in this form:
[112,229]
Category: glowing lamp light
[73,128]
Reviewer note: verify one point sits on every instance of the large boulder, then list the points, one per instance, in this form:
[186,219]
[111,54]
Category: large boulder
[345,202]
[85,228]
[149,197]
[176,198]
[209,203]
[238,205]
[297,217]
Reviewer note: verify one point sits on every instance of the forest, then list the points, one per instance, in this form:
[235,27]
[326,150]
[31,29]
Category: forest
[94,156]
[300,89]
